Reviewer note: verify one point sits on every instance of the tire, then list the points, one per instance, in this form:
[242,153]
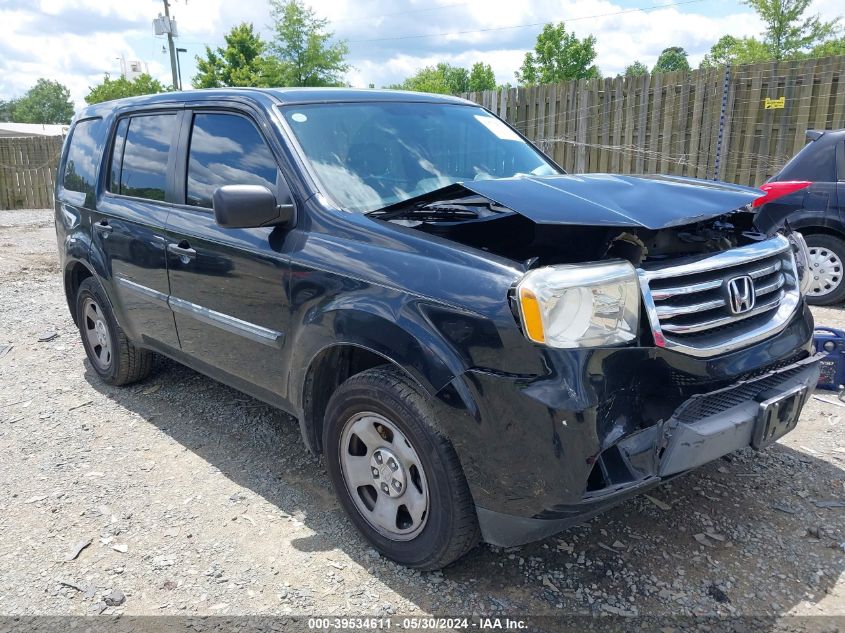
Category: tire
[385,407]
[112,356]
[827,264]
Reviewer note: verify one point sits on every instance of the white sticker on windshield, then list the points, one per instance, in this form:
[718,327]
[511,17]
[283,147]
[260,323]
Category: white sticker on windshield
[498,128]
[299,117]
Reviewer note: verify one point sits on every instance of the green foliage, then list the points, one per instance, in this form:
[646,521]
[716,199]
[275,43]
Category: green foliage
[826,49]
[122,87]
[240,63]
[730,50]
[672,58]
[7,110]
[789,33]
[46,102]
[303,51]
[450,80]
[442,79]
[558,56]
[481,77]
[636,69]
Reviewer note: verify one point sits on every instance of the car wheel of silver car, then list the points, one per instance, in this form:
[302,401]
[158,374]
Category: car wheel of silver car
[399,480]
[112,356]
[827,269]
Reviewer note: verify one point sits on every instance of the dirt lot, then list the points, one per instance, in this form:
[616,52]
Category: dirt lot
[188,497]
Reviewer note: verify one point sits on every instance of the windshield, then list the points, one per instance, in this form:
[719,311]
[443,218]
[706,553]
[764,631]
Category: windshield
[370,155]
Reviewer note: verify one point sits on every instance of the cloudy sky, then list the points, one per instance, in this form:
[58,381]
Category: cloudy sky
[76,41]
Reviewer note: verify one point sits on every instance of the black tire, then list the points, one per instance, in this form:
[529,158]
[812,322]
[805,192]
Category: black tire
[125,363]
[451,526]
[820,243]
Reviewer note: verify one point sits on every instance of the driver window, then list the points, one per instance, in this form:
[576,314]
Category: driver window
[226,149]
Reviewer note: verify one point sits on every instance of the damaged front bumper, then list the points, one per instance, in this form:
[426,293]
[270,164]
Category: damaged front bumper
[753,411]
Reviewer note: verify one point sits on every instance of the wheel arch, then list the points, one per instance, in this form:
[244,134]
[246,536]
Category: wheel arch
[819,225]
[343,342]
[326,371]
[76,271]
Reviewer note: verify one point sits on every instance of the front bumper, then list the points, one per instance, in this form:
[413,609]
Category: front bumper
[704,428]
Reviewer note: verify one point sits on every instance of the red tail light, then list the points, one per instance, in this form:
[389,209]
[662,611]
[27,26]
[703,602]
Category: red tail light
[775,190]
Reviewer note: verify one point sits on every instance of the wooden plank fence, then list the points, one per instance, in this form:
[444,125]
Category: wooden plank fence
[27,171]
[707,123]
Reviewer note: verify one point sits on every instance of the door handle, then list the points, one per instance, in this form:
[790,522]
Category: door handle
[183,250]
[103,226]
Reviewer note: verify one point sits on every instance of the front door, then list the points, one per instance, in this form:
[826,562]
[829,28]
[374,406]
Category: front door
[128,227]
[228,286]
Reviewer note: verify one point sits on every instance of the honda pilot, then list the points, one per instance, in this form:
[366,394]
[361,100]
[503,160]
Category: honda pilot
[483,347]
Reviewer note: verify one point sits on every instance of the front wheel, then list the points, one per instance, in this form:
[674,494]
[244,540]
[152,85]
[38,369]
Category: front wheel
[827,268]
[396,476]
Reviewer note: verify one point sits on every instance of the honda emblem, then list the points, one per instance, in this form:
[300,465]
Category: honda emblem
[741,294]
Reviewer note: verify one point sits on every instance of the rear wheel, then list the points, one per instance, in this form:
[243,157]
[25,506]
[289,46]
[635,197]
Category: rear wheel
[827,268]
[113,357]
[396,476]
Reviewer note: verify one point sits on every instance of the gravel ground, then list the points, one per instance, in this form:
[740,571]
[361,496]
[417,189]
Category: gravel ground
[181,496]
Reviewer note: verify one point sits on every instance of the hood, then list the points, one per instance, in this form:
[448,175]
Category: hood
[651,202]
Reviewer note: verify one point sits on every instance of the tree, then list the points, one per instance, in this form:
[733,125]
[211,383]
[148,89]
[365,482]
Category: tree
[788,33]
[558,56]
[730,50]
[636,69]
[303,51]
[672,58]
[122,87]
[826,49]
[240,63]
[46,102]
[7,110]
[481,77]
[442,79]
[447,79]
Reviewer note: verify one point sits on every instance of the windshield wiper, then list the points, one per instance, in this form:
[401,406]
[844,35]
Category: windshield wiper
[425,209]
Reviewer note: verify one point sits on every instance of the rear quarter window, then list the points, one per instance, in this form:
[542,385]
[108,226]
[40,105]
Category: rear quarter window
[83,158]
[815,162]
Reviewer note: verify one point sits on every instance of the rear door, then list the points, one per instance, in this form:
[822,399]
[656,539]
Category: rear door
[128,226]
[228,286]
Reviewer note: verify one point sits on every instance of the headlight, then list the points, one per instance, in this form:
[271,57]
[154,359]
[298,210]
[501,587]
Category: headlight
[585,305]
[802,261]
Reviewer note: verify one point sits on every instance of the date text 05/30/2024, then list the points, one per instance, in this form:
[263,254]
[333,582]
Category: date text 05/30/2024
[417,623]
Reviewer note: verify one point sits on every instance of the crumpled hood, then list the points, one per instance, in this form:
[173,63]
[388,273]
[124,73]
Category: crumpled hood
[651,202]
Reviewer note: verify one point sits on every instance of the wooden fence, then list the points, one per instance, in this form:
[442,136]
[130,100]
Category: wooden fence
[27,171]
[738,124]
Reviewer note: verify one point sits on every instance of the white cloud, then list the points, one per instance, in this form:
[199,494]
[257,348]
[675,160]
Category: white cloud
[76,41]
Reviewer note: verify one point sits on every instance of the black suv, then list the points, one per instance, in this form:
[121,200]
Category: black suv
[483,347]
[808,194]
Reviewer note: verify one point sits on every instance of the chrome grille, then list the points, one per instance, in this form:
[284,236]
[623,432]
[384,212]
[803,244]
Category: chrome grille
[689,305]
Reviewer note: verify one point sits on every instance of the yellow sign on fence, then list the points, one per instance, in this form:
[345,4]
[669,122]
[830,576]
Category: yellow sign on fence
[774,104]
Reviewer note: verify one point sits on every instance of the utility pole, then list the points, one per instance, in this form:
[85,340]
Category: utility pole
[170,45]
[179,64]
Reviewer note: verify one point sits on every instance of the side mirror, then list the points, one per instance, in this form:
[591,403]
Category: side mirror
[250,206]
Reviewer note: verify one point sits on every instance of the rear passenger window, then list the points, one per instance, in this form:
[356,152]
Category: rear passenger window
[82,158]
[143,173]
[226,149]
